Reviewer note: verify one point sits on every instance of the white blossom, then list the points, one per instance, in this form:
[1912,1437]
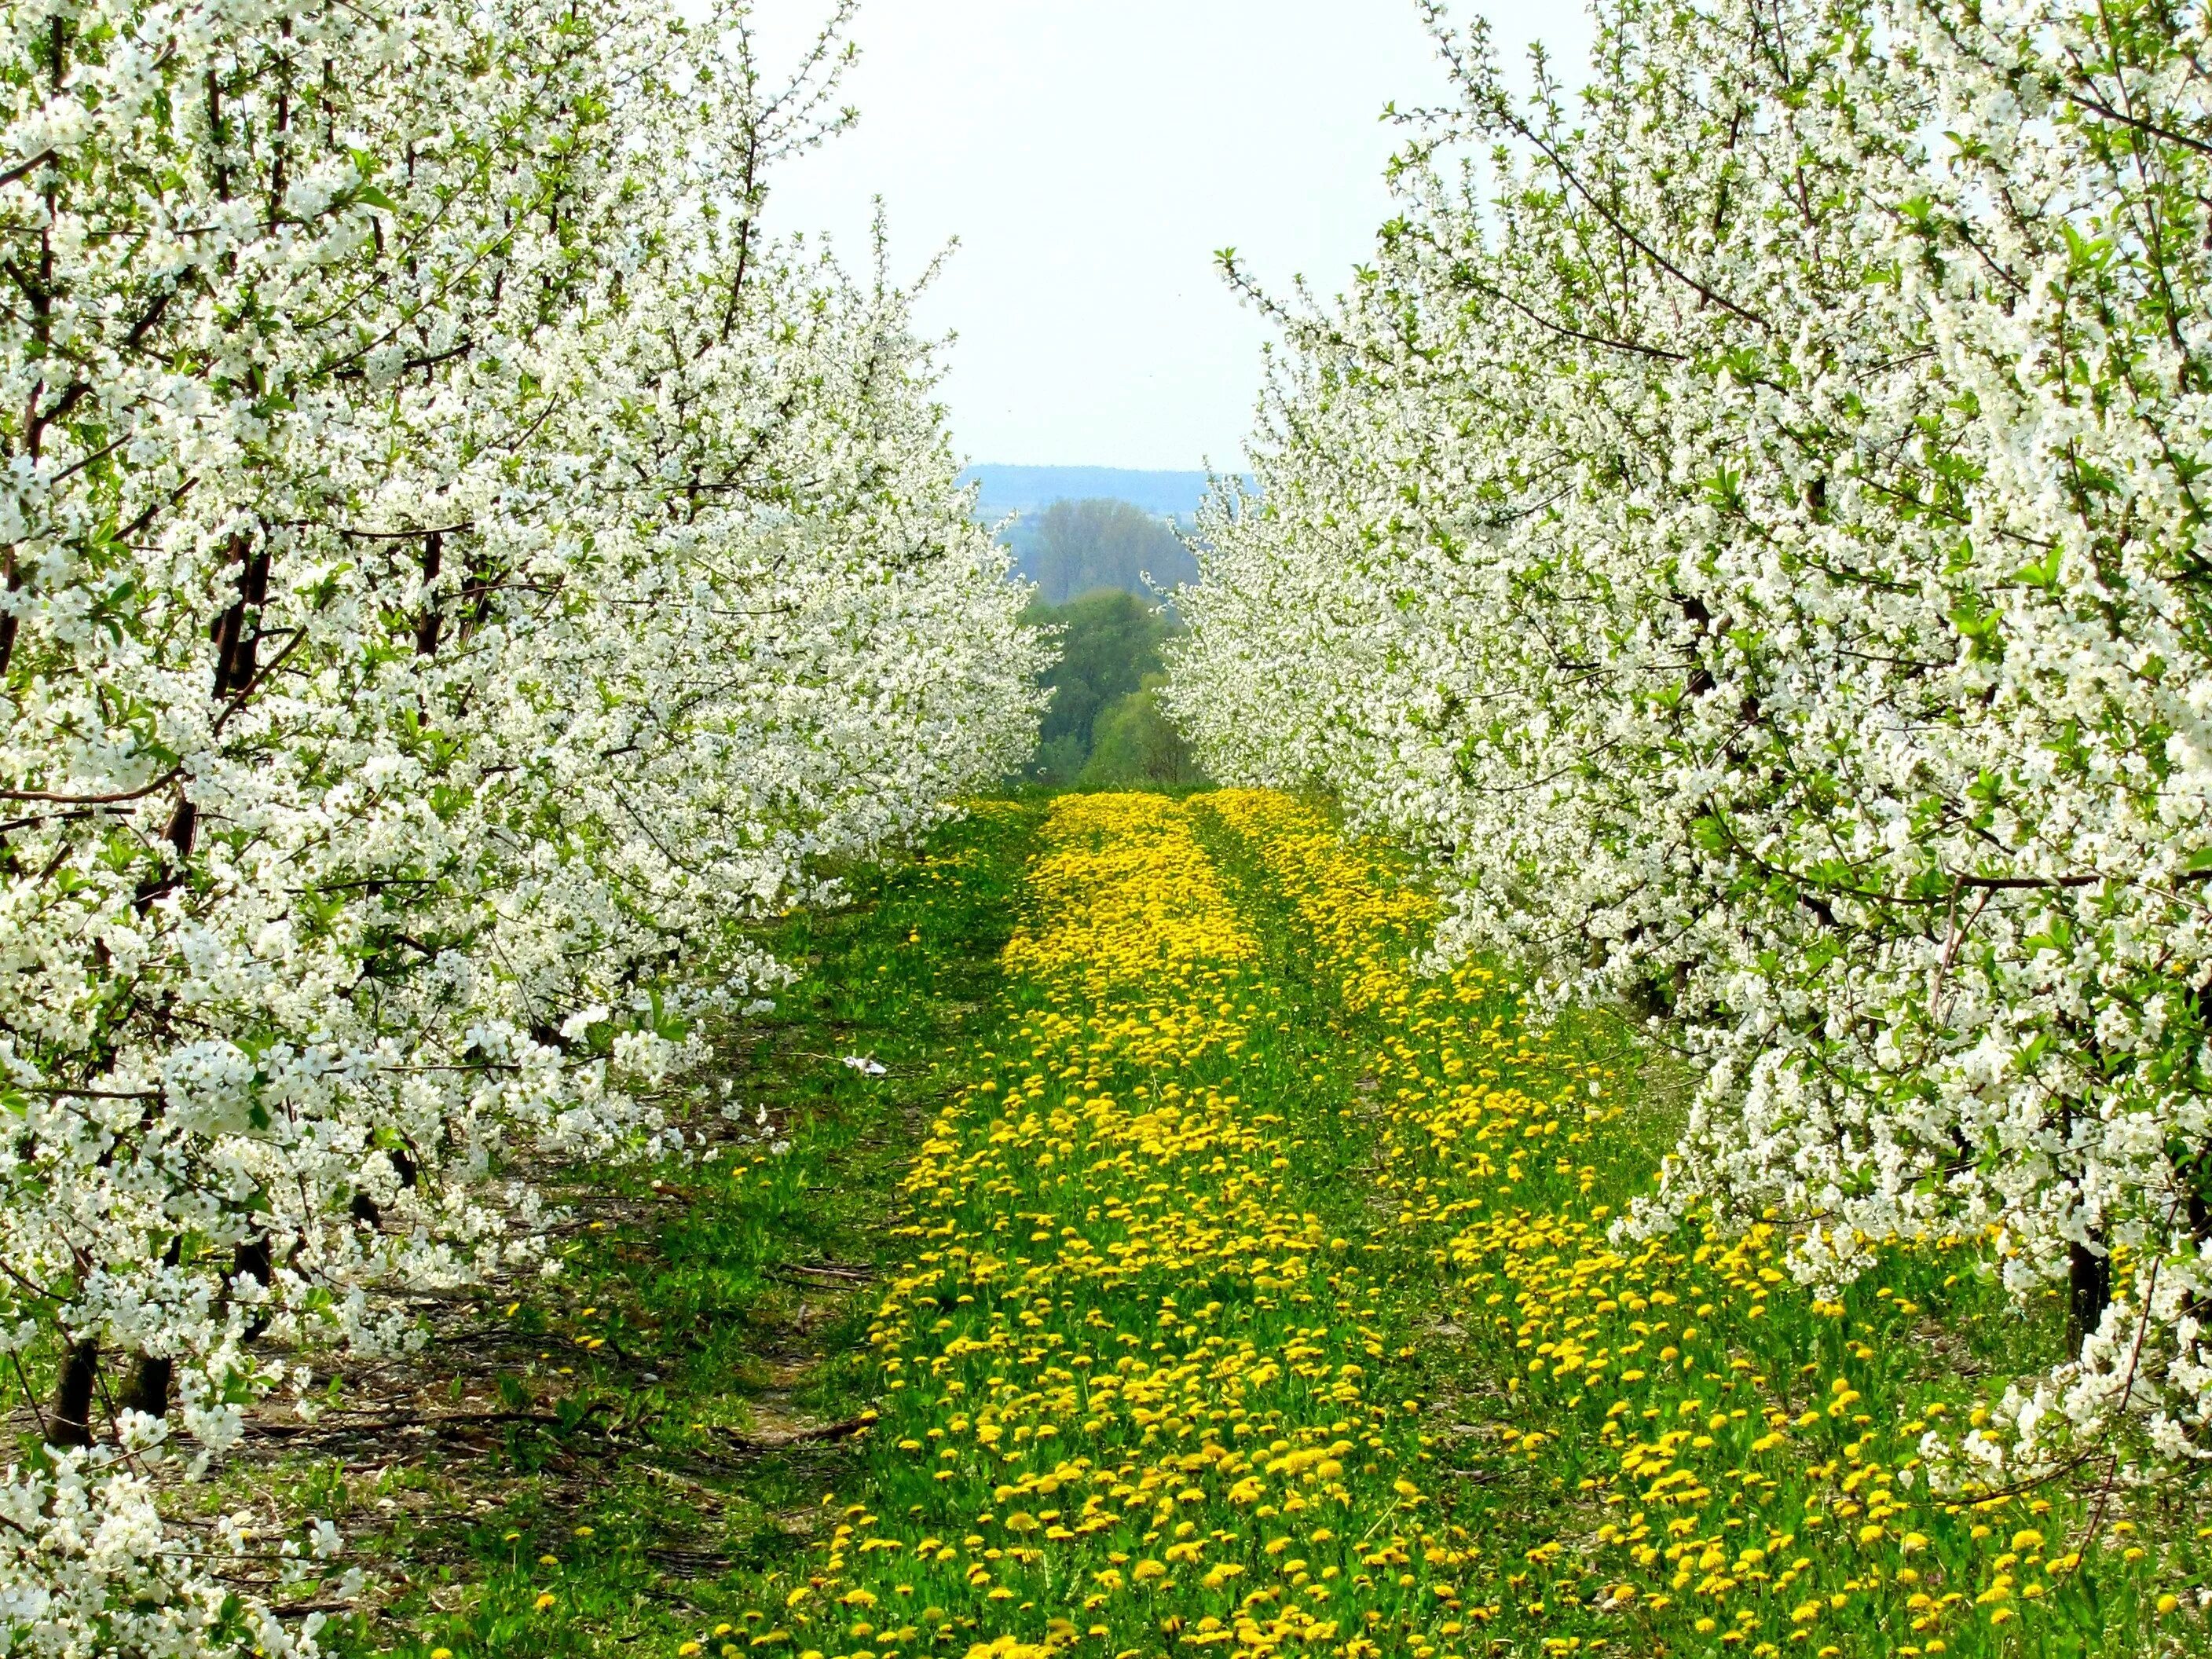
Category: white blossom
[459,570]
[1753,548]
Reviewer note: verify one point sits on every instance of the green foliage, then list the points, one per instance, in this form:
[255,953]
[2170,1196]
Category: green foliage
[1059,760]
[1109,652]
[1074,548]
[1133,747]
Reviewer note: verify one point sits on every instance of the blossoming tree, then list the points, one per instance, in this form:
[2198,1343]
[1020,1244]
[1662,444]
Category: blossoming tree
[460,567]
[1755,547]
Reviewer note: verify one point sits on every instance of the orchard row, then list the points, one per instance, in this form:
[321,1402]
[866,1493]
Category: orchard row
[1751,545]
[462,569]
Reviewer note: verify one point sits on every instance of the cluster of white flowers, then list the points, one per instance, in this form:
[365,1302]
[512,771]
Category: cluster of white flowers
[459,569]
[1747,530]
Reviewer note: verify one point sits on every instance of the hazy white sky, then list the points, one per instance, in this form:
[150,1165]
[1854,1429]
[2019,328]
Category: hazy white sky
[1090,156]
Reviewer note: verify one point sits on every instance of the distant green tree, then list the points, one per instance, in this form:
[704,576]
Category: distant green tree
[1109,654]
[1109,643]
[1133,747]
[1060,760]
[1074,548]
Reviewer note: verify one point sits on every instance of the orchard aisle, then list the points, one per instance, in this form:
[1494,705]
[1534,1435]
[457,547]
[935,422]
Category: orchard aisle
[1127,1372]
[1258,1295]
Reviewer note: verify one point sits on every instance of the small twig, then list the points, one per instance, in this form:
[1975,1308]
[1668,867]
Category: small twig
[31,1400]
[834,1272]
[439,1424]
[162,782]
[798,1436]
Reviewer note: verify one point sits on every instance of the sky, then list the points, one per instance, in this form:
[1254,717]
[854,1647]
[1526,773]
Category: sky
[1090,156]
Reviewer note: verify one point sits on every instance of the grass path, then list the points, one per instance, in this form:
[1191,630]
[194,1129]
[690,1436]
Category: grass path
[1198,1276]
[1260,1297]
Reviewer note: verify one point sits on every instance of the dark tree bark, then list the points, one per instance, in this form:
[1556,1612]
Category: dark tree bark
[2088,1292]
[70,1421]
[152,1381]
[252,1259]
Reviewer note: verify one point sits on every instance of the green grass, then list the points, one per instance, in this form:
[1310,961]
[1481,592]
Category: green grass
[654,1511]
[727,1299]
[1539,1445]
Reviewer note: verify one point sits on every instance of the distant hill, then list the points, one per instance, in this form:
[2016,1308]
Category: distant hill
[1028,488]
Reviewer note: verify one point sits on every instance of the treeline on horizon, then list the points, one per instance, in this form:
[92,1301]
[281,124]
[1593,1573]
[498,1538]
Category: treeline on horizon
[1073,547]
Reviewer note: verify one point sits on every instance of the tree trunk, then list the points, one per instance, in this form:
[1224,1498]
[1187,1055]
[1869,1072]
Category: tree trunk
[71,1423]
[152,1377]
[151,1381]
[425,625]
[252,1259]
[2088,1292]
